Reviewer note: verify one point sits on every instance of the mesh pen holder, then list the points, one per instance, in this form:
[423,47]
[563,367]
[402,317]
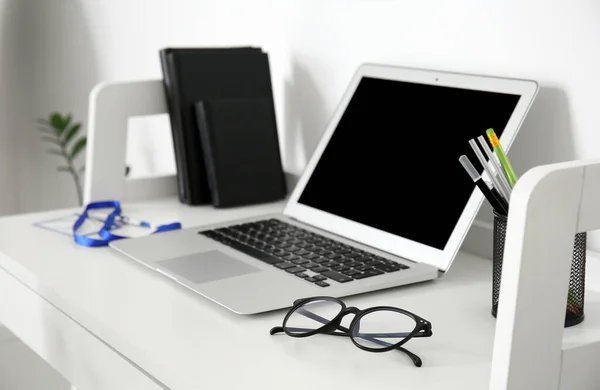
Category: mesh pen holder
[574,312]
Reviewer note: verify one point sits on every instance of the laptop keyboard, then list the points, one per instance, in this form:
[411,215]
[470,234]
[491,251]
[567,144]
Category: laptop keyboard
[307,255]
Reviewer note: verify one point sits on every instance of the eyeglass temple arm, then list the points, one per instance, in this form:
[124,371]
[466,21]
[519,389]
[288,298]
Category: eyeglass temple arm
[275,330]
[346,332]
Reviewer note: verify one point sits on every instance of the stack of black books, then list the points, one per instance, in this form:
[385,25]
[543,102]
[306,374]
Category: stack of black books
[224,127]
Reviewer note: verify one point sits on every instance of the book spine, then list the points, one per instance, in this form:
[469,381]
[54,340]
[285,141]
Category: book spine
[204,129]
[176,126]
[283,188]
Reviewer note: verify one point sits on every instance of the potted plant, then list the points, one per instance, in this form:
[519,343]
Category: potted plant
[62,133]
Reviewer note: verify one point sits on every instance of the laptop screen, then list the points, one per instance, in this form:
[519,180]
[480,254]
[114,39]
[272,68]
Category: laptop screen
[392,162]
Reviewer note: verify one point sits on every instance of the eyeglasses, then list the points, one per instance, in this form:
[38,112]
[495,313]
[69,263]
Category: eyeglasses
[377,329]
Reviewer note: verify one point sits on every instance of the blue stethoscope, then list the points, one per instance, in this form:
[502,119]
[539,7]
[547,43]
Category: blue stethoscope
[113,221]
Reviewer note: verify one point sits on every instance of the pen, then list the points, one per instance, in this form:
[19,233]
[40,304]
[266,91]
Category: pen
[492,159]
[488,169]
[510,173]
[498,196]
[130,221]
[476,177]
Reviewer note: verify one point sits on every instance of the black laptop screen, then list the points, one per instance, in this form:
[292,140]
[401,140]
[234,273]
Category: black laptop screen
[392,162]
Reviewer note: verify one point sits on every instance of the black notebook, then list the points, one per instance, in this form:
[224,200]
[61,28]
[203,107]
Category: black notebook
[194,74]
[241,149]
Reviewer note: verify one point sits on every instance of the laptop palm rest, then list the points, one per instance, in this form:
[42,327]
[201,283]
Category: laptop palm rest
[207,266]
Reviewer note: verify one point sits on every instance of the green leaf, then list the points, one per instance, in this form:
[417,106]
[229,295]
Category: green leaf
[57,122]
[50,139]
[67,121]
[71,133]
[60,123]
[78,147]
[55,152]
[64,169]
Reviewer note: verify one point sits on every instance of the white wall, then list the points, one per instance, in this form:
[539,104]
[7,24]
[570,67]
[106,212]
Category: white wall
[315,46]
[15,103]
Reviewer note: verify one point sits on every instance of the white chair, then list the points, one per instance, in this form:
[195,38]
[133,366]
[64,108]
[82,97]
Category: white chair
[549,205]
[111,105]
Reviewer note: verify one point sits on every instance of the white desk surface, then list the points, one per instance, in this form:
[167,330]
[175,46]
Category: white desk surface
[184,341]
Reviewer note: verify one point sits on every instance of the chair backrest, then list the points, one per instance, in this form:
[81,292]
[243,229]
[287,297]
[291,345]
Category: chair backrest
[549,205]
[111,106]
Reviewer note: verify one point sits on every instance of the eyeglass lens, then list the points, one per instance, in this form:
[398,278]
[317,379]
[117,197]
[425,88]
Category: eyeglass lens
[312,315]
[382,328]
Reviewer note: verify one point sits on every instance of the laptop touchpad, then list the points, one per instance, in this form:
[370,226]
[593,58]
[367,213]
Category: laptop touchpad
[207,266]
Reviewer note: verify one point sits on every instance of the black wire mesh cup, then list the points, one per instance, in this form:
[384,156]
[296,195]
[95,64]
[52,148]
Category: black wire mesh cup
[574,312]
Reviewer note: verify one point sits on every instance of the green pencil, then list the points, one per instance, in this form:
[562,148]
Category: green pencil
[510,173]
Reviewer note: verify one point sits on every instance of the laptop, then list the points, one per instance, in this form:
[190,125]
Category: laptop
[383,201]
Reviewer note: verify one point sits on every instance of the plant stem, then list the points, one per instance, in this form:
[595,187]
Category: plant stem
[75,175]
[77,181]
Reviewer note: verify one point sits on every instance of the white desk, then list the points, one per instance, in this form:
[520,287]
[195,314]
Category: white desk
[105,322]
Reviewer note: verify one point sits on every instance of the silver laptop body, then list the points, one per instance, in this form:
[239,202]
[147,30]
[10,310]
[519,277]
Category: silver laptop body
[244,284]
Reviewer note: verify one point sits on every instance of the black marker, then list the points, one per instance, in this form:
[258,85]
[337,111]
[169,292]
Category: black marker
[476,177]
[498,196]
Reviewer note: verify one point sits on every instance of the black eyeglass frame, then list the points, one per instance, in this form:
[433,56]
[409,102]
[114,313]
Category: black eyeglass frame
[422,326]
